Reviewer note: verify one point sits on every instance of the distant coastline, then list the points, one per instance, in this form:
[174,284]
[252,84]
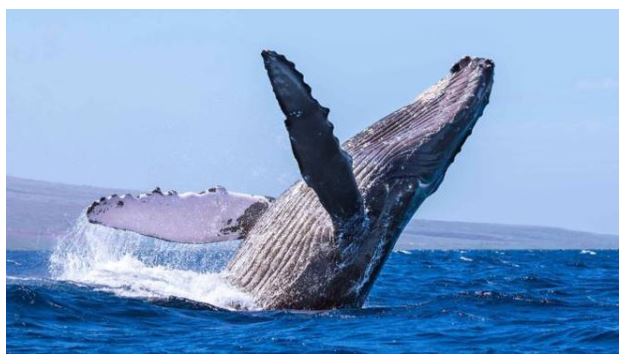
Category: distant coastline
[39,211]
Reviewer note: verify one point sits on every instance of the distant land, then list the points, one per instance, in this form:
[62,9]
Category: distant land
[38,212]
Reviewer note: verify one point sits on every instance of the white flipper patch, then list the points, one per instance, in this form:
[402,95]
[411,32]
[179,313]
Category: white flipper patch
[210,216]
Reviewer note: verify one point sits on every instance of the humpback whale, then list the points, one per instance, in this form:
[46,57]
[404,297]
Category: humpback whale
[322,243]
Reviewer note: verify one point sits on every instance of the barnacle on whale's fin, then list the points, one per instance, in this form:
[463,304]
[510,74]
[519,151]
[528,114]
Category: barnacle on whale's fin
[324,165]
[206,217]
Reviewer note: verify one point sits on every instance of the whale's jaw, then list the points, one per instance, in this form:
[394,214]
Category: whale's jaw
[294,258]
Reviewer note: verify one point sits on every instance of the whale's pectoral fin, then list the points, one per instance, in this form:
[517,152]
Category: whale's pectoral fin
[325,167]
[210,216]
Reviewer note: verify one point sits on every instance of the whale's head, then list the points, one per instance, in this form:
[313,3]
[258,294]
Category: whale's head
[421,140]
[402,159]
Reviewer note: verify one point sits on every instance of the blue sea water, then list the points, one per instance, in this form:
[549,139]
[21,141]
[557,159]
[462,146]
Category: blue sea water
[423,302]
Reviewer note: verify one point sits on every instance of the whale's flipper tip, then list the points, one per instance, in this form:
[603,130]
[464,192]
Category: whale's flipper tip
[266,53]
[293,94]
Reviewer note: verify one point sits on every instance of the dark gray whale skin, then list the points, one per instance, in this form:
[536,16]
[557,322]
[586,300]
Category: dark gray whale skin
[323,242]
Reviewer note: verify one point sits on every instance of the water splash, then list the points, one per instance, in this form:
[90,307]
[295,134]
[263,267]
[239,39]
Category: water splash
[132,265]
[590,252]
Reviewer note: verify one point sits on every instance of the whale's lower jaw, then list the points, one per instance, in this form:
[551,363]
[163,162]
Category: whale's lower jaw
[294,259]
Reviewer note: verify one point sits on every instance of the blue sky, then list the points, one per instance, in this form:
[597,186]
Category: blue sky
[180,99]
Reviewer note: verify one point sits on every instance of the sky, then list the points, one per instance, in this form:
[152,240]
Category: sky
[180,100]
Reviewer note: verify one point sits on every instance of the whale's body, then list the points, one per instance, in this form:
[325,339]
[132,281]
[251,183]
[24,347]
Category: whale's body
[322,243]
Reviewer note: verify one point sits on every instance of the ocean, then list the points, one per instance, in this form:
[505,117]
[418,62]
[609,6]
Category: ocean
[103,291]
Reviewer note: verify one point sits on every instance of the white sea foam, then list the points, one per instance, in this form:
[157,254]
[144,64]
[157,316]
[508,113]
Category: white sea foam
[590,252]
[130,265]
[28,279]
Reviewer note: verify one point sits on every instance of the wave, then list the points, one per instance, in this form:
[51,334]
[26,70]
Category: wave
[511,298]
[12,279]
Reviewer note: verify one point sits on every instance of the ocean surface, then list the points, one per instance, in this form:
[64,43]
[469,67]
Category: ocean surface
[113,292]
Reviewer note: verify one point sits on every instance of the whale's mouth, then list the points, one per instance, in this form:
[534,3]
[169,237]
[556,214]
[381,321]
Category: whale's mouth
[129,265]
